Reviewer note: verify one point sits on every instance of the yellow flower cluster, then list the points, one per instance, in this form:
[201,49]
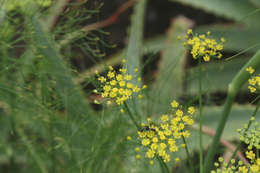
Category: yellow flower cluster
[161,139]
[118,86]
[254,81]
[239,167]
[202,46]
[251,136]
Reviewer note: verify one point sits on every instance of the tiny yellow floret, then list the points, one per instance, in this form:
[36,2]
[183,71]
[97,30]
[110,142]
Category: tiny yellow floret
[250,70]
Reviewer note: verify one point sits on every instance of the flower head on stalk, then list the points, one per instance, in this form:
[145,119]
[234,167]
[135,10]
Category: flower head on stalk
[163,138]
[202,46]
[238,166]
[118,86]
[251,136]
[254,81]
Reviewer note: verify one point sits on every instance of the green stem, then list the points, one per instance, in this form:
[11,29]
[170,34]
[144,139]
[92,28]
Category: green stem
[163,165]
[233,88]
[201,120]
[248,126]
[188,155]
[131,116]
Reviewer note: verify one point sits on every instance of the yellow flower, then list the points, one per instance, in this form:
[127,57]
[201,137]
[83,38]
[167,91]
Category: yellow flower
[102,79]
[252,89]
[161,139]
[174,104]
[166,158]
[110,68]
[151,162]
[202,46]
[206,58]
[155,140]
[150,154]
[113,82]
[128,77]
[254,169]
[145,142]
[191,110]
[95,91]
[122,70]
[140,96]
[243,169]
[189,31]
[250,155]
[96,102]
[118,87]
[164,118]
[138,156]
[179,113]
[110,74]
[119,77]
[122,83]
[250,70]
[177,159]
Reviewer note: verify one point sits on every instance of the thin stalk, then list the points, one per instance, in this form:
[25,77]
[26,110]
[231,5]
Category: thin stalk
[233,88]
[131,116]
[163,165]
[200,116]
[248,126]
[188,155]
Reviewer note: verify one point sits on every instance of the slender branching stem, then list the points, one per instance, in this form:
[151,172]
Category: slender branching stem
[131,116]
[200,116]
[188,155]
[163,165]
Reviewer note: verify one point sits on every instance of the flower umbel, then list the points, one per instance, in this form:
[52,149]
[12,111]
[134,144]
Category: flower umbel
[202,46]
[254,81]
[239,167]
[118,87]
[161,139]
[251,136]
